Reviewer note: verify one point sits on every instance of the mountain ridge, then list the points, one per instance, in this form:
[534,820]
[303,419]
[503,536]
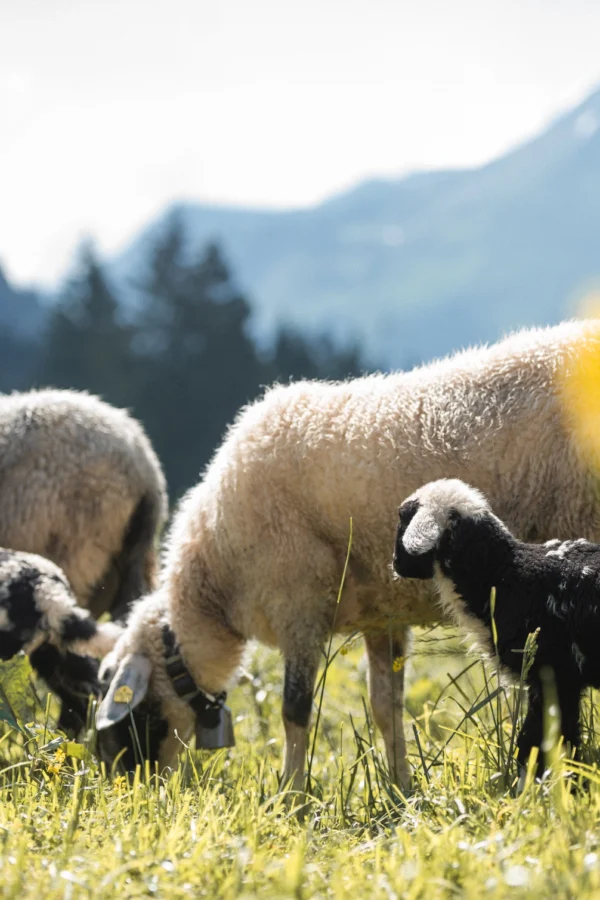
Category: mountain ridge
[411,267]
[484,250]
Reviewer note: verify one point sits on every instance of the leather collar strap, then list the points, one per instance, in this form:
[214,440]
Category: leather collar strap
[207,707]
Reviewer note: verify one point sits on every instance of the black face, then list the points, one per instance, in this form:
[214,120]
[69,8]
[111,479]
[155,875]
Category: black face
[140,739]
[406,564]
[71,677]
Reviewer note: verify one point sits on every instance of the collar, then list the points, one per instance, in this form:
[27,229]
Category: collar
[207,707]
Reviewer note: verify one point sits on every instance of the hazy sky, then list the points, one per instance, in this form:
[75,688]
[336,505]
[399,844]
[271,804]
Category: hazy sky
[109,109]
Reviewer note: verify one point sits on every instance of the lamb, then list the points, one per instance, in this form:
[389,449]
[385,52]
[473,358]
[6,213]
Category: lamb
[257,548]
[40,616]
[448,532]
[81,485]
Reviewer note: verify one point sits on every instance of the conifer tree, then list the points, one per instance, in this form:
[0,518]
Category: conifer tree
[86,346]
[200,363]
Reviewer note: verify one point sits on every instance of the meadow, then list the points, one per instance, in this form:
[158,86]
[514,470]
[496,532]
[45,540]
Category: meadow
[217,827]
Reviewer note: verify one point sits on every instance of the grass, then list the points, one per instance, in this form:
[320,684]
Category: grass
[217,828]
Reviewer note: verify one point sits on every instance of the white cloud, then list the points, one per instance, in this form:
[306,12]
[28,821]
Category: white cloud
[109,111]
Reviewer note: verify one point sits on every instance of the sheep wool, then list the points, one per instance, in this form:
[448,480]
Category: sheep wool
[81,485]
[257,548]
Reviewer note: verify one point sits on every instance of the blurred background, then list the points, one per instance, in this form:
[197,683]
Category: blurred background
[197,199]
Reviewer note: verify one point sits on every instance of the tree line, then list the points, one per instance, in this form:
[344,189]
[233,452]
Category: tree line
[183,359]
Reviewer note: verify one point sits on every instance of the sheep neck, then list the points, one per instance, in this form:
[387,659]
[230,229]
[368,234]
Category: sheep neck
[475,557]
[206,707]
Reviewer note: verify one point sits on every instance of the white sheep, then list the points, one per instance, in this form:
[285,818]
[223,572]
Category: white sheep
[448,532]
[256,550]
[40,616]
[80,484]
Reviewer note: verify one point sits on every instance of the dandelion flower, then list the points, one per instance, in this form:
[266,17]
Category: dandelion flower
[59,758]
[119,782]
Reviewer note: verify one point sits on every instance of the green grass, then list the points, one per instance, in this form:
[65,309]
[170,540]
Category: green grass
[217,828]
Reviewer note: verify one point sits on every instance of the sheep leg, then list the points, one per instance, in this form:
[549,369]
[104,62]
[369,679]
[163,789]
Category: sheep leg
[298,688]
[386,653]
[569,691]
[532,733]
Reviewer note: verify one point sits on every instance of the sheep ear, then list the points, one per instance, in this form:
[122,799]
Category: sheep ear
[127,689]
[422,533]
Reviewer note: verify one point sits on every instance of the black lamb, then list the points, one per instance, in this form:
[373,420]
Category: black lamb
[40,616]
[448,532]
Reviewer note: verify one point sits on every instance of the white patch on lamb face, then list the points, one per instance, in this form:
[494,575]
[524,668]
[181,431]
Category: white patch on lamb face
[422,533]
[439,497]
[456,609]
[5,623]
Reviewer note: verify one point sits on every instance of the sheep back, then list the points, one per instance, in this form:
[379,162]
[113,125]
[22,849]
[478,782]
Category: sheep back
[271,515]
[74,471]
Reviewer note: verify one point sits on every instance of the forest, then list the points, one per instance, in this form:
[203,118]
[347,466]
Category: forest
[181,357]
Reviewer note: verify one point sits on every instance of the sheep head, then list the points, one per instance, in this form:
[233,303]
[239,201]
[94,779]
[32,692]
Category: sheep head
[131,720]
[151,704]
[423,518]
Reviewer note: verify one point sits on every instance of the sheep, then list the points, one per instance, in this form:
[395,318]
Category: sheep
[448,532]
[256,550]
[40,616]
[81,485]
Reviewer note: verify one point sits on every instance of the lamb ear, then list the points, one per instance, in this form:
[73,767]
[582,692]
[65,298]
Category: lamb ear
[422,533]
[127,689]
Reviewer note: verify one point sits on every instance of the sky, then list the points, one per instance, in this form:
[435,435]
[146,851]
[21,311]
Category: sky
[112,109]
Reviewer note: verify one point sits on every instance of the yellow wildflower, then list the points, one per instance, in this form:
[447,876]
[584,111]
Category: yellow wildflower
[398,664]
[119,781]
[59,758]
[580,393]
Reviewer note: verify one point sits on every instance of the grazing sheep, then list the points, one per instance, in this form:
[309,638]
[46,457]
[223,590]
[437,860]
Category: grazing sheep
[257,549]
[80,484]
[448,532]
[39,615]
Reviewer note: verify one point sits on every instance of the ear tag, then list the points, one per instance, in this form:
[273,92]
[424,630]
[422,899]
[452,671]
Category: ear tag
[123,694]
[215,738]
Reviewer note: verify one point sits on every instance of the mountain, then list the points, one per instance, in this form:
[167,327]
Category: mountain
[417,266]
[21,313]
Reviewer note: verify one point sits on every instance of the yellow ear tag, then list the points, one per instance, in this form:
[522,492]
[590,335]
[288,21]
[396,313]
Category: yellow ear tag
[123,694]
